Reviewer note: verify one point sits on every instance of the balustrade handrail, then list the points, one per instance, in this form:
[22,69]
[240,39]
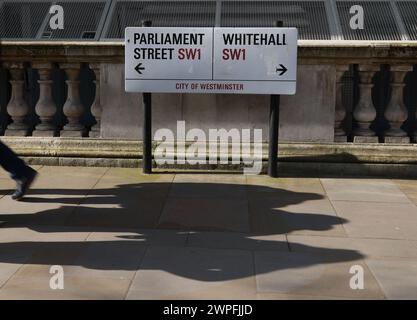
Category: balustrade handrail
[309,51]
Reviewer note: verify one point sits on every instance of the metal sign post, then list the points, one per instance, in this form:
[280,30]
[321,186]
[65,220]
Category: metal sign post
[274,130]
[147,122]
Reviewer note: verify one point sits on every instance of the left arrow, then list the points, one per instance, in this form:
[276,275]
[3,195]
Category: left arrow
[139,68]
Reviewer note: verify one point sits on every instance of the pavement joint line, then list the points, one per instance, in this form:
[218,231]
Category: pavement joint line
[158,222]
[405,193]
[288,243]
[375,277]
[334,209]
[136,271]
[14,273]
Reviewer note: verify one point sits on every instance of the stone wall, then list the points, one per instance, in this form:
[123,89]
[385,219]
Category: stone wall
[306,116]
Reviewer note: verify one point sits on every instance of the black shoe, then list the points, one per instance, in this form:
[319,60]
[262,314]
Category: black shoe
[24,184]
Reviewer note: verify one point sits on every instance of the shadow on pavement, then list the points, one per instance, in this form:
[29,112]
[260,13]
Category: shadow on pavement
[140,209]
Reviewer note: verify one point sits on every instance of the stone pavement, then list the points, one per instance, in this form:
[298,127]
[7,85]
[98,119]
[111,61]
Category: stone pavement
[122,235]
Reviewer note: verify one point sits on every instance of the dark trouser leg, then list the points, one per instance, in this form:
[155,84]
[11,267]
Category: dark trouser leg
[12,163]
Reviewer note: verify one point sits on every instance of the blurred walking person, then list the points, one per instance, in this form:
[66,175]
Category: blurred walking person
[19,171]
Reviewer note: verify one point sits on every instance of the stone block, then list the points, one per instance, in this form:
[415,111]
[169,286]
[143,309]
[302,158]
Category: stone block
[45,133]
[340,139]
[397,140]
[365,139]
[16,133]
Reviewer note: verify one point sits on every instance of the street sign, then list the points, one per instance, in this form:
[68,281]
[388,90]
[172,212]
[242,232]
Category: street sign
[211,60]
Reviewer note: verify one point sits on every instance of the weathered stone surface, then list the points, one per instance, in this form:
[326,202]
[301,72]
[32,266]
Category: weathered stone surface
[309,52]
[340,139]
[307,116]
[397,140]
[365,139]
[308,159]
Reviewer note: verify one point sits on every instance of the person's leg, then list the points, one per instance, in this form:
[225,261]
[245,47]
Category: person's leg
[19,171]
[12,163]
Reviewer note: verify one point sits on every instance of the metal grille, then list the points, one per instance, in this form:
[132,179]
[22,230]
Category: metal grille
[81,18]
[379,21]
[308,16]
[162,14]
[22,20]
[408,12]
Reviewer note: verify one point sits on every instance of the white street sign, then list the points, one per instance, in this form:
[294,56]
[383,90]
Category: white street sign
[211,60]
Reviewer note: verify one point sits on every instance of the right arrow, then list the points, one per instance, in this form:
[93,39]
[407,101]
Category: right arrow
[282,69]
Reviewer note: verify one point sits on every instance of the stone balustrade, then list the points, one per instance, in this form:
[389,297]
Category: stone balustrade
[68,119]
[45,108]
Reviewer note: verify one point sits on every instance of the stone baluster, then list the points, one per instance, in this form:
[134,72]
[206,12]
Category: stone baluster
[45,107]
[340,110]
[73,108]
[17,107]
[396,112]
[365,111]
[96,108]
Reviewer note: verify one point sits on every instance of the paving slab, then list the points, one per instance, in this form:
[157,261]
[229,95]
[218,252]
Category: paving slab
[63,180]
[11,261]
[75,288]
[396,276]
[153,237]
[378,220]
[194,273]
[120,200]
[239,179]
[114,211]
[370,190]
[108,259]
[409,188]
[123,182]
[217,186]
[312,274]
[283,296]
[210,214]
[54,195]
[406,185]
[41,233]
[45,210]
[262,185]
[49,253]
[131,175]
[366,246]
[236,240]
[294,216]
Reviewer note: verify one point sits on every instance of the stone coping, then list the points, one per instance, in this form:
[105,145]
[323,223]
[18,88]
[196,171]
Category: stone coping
[288,152]
[309,51]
